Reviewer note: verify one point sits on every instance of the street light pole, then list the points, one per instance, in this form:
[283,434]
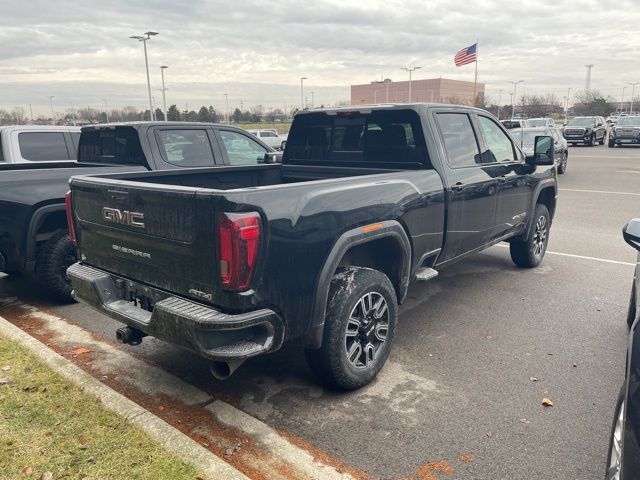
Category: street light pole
[410,70]
[51,97]
[633,91]
[499,100]
[312,102]
[164,98]
[302,79]
[143,38]
[622,98]
[226,101]
[515,98]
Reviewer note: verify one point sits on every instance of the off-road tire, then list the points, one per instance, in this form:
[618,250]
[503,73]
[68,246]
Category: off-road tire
[611,143]
[631,312]
[54,257]
[592,140]
[528,253]
[602,139]
[330,362]
[563,163]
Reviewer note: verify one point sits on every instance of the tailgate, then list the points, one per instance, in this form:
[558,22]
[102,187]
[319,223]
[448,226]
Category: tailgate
[147,232]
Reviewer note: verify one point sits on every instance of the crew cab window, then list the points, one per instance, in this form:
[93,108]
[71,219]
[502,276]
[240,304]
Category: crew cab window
[186,148]
[499,147]
[115,146]
[460,141]
[241,149]
[353,138]
[43,146]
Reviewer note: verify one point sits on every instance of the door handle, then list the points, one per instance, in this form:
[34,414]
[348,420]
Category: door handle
[502,179]
[457,187]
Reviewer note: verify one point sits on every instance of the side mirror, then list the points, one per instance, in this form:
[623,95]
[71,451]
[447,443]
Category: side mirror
[542,151]
[272,157]
[631,233]
[283,144]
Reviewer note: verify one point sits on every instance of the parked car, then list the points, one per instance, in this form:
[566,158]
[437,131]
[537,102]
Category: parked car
[40,143]
[230,263]
[33,224]
[587,130]
[541,122]
[626,131]
[526,138]
[271,138]
[514,123]
[623,461]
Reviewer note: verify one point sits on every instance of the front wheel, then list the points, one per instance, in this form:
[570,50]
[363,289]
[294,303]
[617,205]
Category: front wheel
[528,253]
[563,163]
[612,143]
[602,139]
[360,325]
[592,141]
[614,459]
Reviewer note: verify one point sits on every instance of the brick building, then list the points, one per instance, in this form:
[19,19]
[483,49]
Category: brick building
[439,90]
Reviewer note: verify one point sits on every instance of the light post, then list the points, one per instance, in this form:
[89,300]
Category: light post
[387,81]
[51,97]
[515,98]
[226,101]
[375,96]
[566,114]
[499,100]
[143,38]
[312,102]
[164,98]
[410,70]
[622,99]
[302,79]
[106,109]
[633,91]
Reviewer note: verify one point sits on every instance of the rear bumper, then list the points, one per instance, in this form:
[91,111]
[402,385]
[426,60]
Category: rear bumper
[202,329]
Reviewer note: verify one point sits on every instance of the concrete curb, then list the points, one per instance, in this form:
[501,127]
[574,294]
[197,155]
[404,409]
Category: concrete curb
[174,441]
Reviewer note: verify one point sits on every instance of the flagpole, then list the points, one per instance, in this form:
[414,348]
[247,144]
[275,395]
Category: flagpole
[475,81]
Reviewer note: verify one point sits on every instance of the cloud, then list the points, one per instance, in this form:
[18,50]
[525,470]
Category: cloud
[81,51]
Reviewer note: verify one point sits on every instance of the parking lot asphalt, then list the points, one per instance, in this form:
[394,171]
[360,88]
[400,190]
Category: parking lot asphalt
[477,350]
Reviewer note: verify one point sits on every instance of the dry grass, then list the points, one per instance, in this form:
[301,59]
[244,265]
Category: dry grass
[49,428]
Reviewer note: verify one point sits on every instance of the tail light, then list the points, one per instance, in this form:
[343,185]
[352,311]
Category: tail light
[70,225]
[238,244]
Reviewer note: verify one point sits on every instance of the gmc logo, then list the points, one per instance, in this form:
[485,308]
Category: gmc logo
[133,219]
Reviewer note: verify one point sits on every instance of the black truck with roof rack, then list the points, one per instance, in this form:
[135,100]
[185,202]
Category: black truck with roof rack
[33,223]
[230,263]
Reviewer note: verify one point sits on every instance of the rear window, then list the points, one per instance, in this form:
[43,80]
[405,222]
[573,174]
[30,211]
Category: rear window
[392,137]
[43,146]
[116,146]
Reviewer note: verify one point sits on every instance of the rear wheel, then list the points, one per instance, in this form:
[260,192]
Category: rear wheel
[529,252]
[55,256]
[360,325]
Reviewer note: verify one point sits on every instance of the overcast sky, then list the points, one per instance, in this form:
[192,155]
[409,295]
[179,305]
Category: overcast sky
[257,51]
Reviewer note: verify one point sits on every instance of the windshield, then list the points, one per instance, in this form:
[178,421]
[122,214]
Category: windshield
[526,139]
[582,122]
[629,122]
[537,122]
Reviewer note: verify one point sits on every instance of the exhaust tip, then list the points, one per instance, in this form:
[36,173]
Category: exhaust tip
[222,370]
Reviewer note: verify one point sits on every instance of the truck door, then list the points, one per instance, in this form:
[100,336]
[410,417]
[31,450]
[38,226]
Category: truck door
[471,187]
[513,175]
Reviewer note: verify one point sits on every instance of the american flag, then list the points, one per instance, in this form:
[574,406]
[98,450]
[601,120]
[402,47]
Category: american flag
[466,55]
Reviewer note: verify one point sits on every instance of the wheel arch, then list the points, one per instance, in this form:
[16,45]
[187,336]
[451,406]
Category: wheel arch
[545,194]
[47,219]
[361,247]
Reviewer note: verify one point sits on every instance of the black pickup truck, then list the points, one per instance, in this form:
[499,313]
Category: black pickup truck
[230,263]
[33,224]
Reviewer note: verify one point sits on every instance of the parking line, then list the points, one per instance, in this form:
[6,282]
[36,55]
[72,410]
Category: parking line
[599,191]
[605,260]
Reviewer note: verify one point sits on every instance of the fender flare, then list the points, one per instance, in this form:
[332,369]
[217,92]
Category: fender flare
[34,224]
[549,182]
[349,239]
